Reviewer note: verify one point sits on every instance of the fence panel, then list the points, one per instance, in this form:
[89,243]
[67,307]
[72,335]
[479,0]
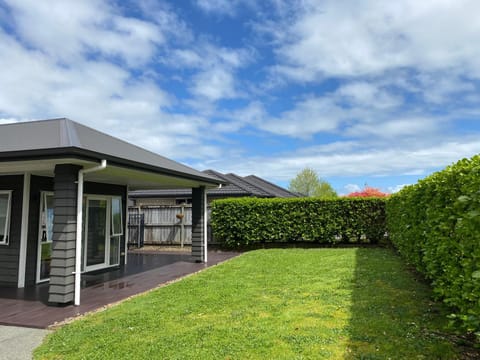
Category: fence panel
[163,224]
[136,224]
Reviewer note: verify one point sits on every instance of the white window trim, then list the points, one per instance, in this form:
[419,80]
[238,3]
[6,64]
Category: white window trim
[6,237]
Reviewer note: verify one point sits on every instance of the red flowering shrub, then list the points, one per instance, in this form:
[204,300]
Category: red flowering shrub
[368,192]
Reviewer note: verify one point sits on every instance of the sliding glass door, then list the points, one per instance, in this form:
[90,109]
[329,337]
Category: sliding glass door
[96,231]
[102,231]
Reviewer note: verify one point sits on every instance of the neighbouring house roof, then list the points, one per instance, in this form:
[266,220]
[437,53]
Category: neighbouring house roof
[34,146]
[236,186]
[230,189]
[270,187]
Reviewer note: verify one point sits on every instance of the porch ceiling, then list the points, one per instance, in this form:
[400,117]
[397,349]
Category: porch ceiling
[114,174]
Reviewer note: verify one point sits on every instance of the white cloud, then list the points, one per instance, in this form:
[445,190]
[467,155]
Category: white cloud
[397,188]
[356,160]
[395,127]
[309,117]
[254,113]
[8,121]
[217,6]
[440,88]
[204,55]
[90,91]
[59,61]
[368,95]
[349,188]
[224,7]
[357,109]
[214,69]
[392,69]
[185,57]
[351,38]
[66,30]
[174,136]
[214,84]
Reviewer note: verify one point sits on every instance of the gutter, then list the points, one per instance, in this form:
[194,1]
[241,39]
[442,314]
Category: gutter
[78,243]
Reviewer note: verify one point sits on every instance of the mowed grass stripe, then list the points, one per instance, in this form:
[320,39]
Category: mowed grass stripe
[271,304]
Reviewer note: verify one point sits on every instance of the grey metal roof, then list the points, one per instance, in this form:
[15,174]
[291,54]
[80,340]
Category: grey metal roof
[230,189]
[270,187]
[237,186]
[240,182]
[66,138]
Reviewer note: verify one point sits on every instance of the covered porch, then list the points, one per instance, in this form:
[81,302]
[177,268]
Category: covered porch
[144,271]
[63,206]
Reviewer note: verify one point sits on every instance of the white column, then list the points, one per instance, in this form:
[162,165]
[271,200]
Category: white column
[205,227]
[22,264]
[126,225]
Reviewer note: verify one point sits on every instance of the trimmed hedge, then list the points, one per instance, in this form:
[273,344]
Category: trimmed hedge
[246,221]
[435,225]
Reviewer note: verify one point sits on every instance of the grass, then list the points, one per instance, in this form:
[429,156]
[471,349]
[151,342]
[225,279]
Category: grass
[271,304]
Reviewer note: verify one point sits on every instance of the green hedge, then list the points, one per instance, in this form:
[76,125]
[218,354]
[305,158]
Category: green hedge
[246,221]
[435,225]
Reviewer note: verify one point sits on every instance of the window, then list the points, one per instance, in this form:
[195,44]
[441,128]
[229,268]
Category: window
[5,199]
[45,236]
[117,228]
[102,233]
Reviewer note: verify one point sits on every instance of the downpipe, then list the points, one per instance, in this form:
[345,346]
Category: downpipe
[78,242]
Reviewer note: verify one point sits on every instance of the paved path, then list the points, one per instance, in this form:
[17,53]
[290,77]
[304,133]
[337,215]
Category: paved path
[17,343]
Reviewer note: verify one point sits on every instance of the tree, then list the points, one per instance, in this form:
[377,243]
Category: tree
[309,184]
[368,192]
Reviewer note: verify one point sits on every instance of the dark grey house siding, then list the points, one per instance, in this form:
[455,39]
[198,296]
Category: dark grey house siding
[62,266]
[37,185]
[9,253]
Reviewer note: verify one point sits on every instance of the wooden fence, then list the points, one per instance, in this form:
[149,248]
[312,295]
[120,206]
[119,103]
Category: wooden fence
[162,225]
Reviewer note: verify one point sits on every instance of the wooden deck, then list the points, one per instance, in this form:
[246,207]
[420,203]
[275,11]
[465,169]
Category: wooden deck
[28,307]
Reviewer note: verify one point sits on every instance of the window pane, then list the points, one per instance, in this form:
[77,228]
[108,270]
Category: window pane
[96,232]
[114,250]
[45,259]
[117,228]
[4,202]
[46,218]
[49,219]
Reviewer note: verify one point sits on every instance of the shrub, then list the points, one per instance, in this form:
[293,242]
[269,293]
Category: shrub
[368,192]
[245,221]
[435,225]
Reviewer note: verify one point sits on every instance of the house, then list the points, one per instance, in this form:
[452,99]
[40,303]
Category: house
[63,202]
[237,186]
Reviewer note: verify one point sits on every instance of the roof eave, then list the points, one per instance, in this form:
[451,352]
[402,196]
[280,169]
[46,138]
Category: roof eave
[83,154]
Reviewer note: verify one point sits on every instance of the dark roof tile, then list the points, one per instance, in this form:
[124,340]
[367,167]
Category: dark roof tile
[236,186]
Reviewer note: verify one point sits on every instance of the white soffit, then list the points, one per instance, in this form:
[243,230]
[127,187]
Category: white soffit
[135,179]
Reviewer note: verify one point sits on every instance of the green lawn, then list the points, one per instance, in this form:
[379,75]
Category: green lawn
[271,304]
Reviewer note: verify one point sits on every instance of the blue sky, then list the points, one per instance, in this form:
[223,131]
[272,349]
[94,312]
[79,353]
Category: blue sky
[364,92]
